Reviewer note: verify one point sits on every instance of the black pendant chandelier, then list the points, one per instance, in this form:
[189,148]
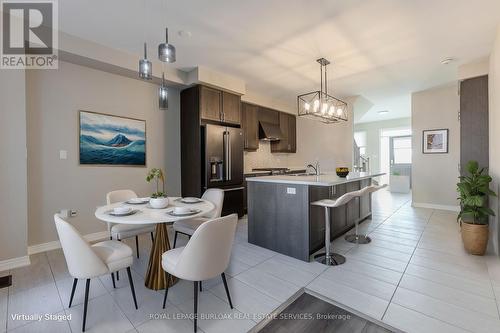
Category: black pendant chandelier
[319,104]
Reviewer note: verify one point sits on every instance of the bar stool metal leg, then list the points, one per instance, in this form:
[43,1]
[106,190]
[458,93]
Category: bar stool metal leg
[356,237]
[329,258]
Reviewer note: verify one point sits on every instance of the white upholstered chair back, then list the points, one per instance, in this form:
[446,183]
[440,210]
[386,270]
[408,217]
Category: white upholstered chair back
[215,196]
[208,251]
[119,195]
[82,261]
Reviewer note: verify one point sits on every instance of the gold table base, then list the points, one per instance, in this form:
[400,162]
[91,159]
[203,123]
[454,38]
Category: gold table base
[155,275]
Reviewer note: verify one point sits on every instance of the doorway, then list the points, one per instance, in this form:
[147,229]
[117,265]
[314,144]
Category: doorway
[395,153]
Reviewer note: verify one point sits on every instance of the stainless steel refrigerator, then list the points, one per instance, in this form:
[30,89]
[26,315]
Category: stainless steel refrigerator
[222,153]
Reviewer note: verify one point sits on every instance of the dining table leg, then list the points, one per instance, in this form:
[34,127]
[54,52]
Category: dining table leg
[155,276]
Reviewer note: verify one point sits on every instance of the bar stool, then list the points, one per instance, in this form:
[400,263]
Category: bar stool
[356,237]
[330,258]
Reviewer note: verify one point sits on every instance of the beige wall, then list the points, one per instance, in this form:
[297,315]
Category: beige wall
[372,130]
[435,175]
[13,195]
[494,142]
[54,98]
[331,144]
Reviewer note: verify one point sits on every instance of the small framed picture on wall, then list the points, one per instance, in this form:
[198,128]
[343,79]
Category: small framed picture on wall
[435,141]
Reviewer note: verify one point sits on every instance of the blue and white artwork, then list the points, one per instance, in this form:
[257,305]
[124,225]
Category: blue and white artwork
[112,140]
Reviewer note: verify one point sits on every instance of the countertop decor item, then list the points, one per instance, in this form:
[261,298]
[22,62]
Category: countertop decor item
[111,140]
[342,171]
[159,198]
[319,104]
[435,141]
[474,190]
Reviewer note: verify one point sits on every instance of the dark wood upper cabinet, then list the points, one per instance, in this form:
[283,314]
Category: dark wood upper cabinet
[292,133]
[210,104]
[250,126]
[219,106]
[231,111]
[288,143]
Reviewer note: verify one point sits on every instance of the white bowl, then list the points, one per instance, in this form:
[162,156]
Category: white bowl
[158,202]
[121,210]
[182,210]
[136,200]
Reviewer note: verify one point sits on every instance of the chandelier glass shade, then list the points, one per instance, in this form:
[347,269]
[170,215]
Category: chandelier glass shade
[145,66]
[163,94]
[319,104]
[166,51]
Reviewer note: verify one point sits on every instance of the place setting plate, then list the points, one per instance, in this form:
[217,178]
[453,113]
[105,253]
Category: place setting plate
[137,201]
[189,200]
[187,212]
[129,212]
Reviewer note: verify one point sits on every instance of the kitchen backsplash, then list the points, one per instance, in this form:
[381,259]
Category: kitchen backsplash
[262,158]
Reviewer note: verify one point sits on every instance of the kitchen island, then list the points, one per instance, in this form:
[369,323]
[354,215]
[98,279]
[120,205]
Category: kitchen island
[281,218]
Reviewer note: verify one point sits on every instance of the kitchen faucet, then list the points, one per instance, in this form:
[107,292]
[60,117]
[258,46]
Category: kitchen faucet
[316,168]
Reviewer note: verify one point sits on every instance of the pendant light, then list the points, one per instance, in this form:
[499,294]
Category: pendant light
[145,66]
[163,94]
[319,104]
[166,51]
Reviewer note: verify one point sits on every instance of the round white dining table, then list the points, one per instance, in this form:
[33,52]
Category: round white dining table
[155,277]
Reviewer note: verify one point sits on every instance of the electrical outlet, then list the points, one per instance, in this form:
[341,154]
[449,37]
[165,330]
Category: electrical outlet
[64,213]
[291,190]
[73,213]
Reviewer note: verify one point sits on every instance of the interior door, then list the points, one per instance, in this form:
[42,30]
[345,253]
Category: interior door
[400,150]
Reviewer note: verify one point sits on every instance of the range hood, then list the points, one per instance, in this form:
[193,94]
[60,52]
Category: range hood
[269,132]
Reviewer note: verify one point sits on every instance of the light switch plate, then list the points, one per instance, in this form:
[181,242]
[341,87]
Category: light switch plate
[63,154]
[291,190]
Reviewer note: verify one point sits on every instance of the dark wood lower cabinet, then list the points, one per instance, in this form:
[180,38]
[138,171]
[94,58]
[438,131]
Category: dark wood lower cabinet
[288,224]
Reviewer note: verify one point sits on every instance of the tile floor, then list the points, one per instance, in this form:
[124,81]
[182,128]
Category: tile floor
[413,276]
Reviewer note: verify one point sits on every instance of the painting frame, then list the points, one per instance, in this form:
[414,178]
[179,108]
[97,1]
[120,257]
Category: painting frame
[94,113]
[444,133]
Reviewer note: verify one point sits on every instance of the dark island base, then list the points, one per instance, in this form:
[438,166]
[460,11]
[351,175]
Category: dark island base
[280,217]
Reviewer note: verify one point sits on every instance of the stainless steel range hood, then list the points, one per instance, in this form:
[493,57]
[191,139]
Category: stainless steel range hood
[269,132]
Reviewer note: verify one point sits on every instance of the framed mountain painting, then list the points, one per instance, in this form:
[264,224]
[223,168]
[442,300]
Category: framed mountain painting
[111,140]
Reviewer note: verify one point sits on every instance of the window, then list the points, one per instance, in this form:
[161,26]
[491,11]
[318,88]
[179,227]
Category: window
[401,149]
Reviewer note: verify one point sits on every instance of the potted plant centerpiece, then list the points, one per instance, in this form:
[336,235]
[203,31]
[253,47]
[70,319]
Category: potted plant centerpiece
[473,191]
[159,198]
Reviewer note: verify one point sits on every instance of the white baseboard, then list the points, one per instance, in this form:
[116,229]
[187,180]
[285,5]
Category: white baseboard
[433,206]
[8,264]
[49,246]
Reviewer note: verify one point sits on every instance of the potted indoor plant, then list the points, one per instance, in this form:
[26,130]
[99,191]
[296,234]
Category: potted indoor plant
[159,198]
[473,191]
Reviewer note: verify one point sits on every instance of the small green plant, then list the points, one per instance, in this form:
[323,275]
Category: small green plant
[473,191]
[157,175]
[396,173]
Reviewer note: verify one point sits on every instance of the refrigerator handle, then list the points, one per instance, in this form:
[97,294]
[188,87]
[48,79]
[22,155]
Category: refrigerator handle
[229,157]
[226,155]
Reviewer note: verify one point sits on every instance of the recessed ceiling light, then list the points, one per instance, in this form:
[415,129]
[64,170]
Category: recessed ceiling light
[184,34]
[446,61]
[383,112]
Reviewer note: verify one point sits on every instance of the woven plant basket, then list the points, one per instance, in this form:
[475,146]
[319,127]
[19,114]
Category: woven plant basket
[475,237]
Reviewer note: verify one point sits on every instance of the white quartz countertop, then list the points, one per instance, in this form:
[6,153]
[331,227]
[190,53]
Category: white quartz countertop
[326,179]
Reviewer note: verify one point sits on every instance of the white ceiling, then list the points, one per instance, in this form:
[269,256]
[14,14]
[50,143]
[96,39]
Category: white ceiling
[381,49]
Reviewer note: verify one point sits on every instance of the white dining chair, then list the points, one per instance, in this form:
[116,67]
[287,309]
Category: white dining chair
[120,231]
[87,261]
[187,227]
[205,256]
